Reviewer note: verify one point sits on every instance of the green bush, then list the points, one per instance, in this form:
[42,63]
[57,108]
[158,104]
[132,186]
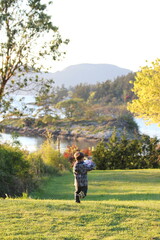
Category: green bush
[126,153]
[14,171]
[21,171]
[53,160]
[37,166]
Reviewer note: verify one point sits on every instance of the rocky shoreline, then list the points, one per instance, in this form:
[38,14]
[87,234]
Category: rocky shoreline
[75,132]
[61,133]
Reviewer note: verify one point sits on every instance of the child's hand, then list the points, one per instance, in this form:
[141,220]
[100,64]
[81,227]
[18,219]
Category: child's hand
[93,165]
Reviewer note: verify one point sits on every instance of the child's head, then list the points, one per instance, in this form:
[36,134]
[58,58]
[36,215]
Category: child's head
[78,156]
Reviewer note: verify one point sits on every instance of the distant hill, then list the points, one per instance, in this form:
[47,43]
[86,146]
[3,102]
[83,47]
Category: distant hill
[87,73]
[76,74]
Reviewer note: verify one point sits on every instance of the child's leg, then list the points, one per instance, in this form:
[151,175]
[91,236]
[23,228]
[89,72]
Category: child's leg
[84,190]
[76,194]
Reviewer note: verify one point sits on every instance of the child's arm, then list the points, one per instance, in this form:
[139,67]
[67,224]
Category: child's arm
[90,167]
[75,169]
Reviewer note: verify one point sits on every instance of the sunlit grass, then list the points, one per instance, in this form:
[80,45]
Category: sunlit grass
[120,205]
[106,185]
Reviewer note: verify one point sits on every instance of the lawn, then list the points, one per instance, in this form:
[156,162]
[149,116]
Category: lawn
[120,205]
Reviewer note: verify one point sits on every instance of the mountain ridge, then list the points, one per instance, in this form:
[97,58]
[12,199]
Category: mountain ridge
[86,73]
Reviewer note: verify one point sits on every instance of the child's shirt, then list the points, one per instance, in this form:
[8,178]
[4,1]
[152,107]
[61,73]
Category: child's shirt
[80,170]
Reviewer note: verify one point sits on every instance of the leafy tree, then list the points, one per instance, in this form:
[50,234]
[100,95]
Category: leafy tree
[72,107]
[147,89]
[150,151]
[47,101]
[121,87]
[61,93]
[109,92]
[102,90]
[29,38]
[82,91]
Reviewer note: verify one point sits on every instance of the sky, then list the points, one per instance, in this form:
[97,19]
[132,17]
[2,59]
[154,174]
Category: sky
[120,32]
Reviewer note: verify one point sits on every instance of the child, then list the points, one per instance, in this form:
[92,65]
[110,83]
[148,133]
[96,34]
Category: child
[80,170]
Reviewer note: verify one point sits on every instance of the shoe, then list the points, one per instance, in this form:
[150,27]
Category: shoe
[81,194]
[77,200]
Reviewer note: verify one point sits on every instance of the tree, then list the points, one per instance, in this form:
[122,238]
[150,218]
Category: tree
[45,103]
[82,91]
[48,101]
[29,38]
[72,107]
[61,93]
[123,153]
[147,89]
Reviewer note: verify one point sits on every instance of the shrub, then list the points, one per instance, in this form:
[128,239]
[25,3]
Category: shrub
[53,160]
[150,151]
[36,165]
[126,153]
[14,171]
[100,156]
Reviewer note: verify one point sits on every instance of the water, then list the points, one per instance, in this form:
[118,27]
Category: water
[33,143]
[26,104]
[152,130]
[29,143]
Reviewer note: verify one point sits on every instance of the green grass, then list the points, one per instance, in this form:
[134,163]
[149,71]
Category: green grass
[120,205]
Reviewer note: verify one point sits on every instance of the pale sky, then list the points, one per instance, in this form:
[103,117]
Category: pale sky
[125,33]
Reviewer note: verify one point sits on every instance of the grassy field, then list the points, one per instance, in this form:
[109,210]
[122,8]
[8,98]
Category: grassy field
[120,205]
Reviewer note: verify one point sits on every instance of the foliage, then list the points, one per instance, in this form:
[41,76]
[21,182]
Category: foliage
[70,151]
[89,101]
[21,171]
[126,153]
[109,92]
[29,39]
[53,160]
[14,171]
[127,120]
[146,88]
[45,102]
[114,92]
[60,93]
[72,107]
[81,91]
[37,166]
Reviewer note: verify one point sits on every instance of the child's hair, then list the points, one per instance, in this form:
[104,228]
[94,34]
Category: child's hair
[78,155]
